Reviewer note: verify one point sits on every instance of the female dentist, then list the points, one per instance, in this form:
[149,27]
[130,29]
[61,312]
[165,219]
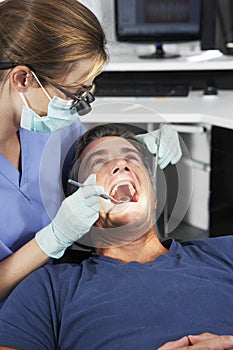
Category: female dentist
[50,53]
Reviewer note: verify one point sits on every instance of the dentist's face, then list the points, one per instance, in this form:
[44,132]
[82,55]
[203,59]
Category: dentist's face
[120,171]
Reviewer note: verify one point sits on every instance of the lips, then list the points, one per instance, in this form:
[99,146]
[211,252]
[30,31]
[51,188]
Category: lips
[124,191]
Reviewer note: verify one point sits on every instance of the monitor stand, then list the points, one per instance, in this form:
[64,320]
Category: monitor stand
[159,53]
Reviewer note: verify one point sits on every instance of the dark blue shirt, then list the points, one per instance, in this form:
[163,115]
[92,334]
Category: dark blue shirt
[108,305]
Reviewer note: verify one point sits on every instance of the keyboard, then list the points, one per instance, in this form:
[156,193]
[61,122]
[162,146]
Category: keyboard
[171,90]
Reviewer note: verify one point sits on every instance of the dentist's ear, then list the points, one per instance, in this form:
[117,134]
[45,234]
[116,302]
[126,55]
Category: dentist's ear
[21,78]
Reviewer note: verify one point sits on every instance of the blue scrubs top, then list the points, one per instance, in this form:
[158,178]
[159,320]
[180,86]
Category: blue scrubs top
[30,199]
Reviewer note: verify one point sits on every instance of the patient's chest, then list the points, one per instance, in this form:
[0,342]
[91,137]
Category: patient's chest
[131,306]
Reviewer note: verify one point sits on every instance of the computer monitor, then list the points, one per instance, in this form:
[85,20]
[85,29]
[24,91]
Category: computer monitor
[158,22]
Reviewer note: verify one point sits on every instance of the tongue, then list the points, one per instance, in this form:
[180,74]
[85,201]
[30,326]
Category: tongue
[123,193]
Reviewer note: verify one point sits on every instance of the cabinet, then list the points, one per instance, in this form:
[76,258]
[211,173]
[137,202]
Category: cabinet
[221,196]
[185,214]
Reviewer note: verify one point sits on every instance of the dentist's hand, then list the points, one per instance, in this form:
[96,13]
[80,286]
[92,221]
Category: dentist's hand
[169,149]
[75,217]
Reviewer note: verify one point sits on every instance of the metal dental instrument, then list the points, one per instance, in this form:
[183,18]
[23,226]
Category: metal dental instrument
[103,195]
[156,157]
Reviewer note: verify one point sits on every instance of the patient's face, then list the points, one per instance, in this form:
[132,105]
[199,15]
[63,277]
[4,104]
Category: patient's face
[120,171]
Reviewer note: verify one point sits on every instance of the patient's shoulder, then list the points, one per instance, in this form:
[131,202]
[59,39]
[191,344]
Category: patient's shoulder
[219,247]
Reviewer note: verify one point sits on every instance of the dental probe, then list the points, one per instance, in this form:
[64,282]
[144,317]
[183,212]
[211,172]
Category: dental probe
[103,195]
[156,158]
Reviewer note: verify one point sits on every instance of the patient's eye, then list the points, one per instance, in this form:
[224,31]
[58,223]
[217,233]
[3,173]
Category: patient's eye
[133,157]
[96,164]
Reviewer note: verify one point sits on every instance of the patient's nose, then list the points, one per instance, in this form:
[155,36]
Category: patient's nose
[120,165]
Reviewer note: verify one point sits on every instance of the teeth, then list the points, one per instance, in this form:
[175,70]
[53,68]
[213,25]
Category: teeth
[131,188]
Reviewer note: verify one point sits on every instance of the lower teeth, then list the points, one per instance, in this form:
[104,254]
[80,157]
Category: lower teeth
[123,193]
[124,199]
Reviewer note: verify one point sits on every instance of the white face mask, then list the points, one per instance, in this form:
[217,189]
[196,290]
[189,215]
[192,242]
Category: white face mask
[59,114]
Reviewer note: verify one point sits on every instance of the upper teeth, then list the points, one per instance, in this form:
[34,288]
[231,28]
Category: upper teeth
[131,188]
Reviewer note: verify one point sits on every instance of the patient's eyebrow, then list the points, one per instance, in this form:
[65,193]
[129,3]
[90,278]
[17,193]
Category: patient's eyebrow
[126,150]
[101,152]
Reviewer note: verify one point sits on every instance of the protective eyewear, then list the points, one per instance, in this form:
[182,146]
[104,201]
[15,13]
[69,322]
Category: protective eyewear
[6,65]
[82,100]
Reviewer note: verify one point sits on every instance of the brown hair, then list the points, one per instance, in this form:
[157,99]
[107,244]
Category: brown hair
[48,36]
[103,130]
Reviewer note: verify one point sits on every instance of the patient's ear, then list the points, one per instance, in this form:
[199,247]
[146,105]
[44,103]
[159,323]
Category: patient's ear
[21,78]
[153,193]
[155,199]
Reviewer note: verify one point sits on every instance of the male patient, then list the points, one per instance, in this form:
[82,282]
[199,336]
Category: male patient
[134,292]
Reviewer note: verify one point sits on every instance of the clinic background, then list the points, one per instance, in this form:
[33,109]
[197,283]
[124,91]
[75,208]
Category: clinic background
[204,122]
[105,12]
[203,117]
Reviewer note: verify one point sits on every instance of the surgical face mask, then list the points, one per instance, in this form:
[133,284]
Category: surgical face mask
[59,114]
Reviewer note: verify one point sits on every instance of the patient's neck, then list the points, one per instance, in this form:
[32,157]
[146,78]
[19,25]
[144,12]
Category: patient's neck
[144,250]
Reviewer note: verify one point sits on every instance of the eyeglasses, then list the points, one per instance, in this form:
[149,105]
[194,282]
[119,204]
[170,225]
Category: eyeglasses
[81,100]
[6,65]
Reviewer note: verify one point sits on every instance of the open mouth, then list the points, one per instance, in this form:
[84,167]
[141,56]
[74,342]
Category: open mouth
[124,191]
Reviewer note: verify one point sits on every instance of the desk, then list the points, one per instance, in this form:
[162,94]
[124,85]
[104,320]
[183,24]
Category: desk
[122,62]
[196,108]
